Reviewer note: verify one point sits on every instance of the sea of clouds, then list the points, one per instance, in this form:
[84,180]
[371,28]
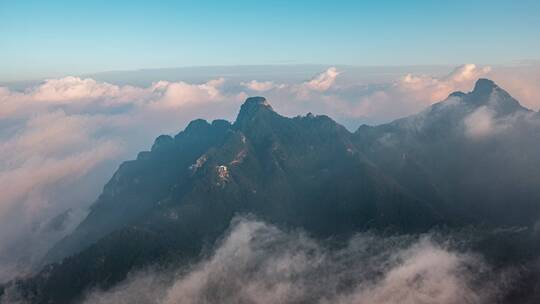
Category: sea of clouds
[61,139]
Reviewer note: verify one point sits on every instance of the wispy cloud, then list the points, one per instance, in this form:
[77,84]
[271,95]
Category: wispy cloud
[261,86]
[259,263]
[323,81]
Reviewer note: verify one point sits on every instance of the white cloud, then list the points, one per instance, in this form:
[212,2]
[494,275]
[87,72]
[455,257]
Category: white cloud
[317,85]
[258,263]
[58,136]
[479,123]
[70,89]
[178,94]
[262,86]
[49,152]
[426,273]
[323,81]
[50,147]
[466,73]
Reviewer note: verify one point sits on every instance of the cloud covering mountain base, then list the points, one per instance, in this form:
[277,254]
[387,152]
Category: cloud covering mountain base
[259,263]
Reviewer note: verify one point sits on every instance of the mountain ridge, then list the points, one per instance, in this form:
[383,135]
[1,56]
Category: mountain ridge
[258,120]
[306,172]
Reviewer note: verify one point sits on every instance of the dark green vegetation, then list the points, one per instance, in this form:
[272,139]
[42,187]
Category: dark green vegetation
[472,159]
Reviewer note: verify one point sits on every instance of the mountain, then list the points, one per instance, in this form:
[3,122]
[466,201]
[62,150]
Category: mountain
[472,154]
[468,160]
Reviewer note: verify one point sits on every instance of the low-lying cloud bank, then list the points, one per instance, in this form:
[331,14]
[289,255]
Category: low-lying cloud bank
[259,263]
[62,139]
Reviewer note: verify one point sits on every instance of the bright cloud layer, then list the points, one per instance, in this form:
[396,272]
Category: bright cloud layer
[261,86]
[323,81]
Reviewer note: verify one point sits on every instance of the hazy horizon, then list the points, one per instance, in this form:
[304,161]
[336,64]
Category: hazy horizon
[58,38]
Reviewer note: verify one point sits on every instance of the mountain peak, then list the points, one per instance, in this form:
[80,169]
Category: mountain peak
[457,94]
[256,101]
[482,90]
[251,107]
[487,93]
[484,85]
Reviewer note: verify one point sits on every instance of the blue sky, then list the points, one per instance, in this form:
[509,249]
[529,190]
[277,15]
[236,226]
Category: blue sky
[56,38]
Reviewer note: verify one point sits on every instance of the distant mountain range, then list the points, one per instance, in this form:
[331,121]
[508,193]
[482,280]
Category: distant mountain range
[472,160]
